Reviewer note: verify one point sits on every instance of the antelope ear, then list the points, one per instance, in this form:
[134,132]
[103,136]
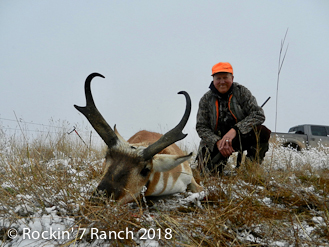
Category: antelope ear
[166,162]
[118,135]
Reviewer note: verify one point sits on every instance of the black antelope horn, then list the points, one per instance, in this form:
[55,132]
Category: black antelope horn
[94,117]
[171,136]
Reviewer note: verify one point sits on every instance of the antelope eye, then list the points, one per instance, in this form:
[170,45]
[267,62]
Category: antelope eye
[145,171]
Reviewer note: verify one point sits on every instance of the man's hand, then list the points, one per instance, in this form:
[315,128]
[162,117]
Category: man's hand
[224,145]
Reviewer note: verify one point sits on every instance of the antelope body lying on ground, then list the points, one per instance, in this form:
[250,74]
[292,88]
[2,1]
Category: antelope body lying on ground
[146,159]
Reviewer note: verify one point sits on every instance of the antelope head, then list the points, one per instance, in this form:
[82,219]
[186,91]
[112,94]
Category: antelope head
[129,167]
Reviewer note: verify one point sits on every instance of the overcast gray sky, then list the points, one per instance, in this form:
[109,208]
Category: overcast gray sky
[150,50]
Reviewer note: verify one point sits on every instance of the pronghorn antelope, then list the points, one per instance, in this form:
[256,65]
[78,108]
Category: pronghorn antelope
[146,159]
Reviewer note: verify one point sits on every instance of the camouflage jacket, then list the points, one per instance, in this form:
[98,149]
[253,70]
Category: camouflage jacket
[240,108]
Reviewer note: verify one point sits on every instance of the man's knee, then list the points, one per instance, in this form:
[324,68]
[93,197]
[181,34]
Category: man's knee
[264,133]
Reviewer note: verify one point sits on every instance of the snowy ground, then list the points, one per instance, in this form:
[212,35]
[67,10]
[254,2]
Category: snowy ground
[42,220]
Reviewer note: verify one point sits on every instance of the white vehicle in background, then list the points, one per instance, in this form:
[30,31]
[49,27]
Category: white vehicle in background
[304,136]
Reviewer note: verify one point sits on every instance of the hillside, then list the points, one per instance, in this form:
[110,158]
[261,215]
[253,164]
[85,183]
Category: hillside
[46,185]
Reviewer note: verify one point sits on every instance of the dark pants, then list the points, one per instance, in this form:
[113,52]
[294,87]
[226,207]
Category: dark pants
[255,142]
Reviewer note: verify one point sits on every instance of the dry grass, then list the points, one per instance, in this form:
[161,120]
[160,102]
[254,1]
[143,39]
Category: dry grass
[258,206]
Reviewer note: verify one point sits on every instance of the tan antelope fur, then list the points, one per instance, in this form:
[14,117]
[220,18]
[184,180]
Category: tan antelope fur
[146,159]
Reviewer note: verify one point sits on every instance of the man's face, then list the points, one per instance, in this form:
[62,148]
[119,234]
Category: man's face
[223,81]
